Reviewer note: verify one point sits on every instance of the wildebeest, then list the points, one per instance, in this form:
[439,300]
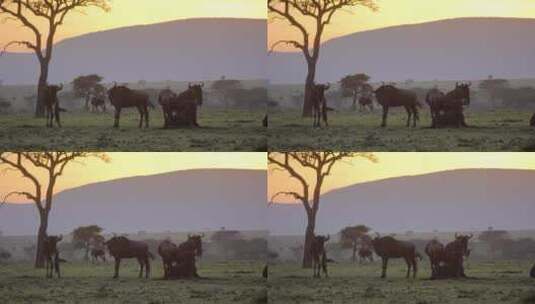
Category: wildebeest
[389,96]
[123,97]
[388,247]
[51,103]
[265,272]
[164,99]
[456,251]
[98,102]
[121,247]
[319,256]
[365,253]
[435,251]
[173,255]
[97,253]
[181,109]
[432,97]
[532,120]
[51,254]
[532,272]
[365,101]
[184,266]
[450,106]
[319,104]
[265,121]
[166,250]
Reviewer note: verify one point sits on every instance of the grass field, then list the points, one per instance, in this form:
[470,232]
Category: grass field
[491,130]
[489,282]
[226,282]
[221,130]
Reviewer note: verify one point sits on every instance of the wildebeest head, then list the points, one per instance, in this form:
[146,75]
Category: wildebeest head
[463,241]
[54,239]
[195,241]
[320,240]
[196,90]
[54,89]
[463,92]
[319,90]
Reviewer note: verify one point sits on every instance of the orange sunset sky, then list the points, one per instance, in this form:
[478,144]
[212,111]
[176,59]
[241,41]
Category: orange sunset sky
[392,164]
[121,165]
[396,12]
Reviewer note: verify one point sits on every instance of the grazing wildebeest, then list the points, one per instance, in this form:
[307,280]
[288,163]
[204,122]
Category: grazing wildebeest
[166,250]
[319,104]
[51,254]
[388,247]
[121,247]
[51,103]
[365,253]
[97,253]
[451,106]
[455,252]
[319,256]
[98,102]
[123,97]
[435,251]
[532,120]
[389,96]
[181,109]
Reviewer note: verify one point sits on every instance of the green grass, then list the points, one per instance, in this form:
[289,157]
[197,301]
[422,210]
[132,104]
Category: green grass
[496,130]
[490,282]
[225,282]
[221,130]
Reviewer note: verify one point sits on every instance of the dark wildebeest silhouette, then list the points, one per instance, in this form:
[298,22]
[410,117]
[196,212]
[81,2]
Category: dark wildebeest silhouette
[123,97]
[319,104]
[98,102]
[435,251]
[319,256]
[265,121]
[121,247]
[365,101]
[173,255]
[265,272]
[51,103]
[432,97]
[389,96]
[51,254]
[164,99]
[455,252]
[532,272]
[181,109]
[97,253]
[166,251]
[184,265]
[450,107]
[532,120]
[388,247]
[365,253]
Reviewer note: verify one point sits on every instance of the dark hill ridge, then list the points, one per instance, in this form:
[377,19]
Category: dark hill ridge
[447,201]
[452,49]
[178,201]
[182,50]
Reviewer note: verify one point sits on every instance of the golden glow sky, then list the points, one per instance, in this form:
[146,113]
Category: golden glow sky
[393,164]
[134,12]
[133,164]
[396,12]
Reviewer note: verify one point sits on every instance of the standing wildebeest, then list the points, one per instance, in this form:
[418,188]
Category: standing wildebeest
[532,272]
[166,250]
[319,256]
[319,104]
[181,109]
[432,97]
[435,251]
[97,253]
[455,252]
[121,247]
[97,102]
[51,103]
[365,101]
[389,96]
[448,109]
[51,254]
[365,253]
[532,120]
[176,258]
[387,247]
[164,99]
[123,97]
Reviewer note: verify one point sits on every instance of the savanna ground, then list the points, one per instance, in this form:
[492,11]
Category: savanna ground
[489,282]
[221,130]
[490,130]
[222,282]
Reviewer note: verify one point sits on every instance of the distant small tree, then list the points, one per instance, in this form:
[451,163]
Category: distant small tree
[492,86]
[352,85]
[85,85]
[85,236]
[223,87]
[5,105]
[350,236]
[494,239]
[4,255]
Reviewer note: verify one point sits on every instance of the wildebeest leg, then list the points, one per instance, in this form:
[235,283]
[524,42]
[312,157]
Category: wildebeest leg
[409,113]
[385,264]
[147,267]
[414,267]
[117,117]
[146,109]
[57,110]
[414,116]
[463,122]
[141,115]
[117,264]
[385,115]
[324,265]
[56,265]
[141,264]
[409,264]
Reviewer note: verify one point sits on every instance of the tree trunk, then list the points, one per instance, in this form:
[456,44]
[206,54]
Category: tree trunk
[309,82]
[309,235]
[41,89]
[39,257]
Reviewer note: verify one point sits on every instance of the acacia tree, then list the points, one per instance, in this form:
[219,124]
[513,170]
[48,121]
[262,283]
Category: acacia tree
[352,85]
[85,85]
[84,237]
[298,165]
[33,166]
[350,236]
[298,13]
[29,13]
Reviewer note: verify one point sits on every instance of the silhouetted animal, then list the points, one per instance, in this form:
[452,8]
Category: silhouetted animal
[319,256]
[184,266]
[365,253]
[51,103]
[387,247]
[456,251]
[265,121]
[435,251]
[166,250]
[181,109]
[365,101]
[319,104]
[433,96]
[121,247]
[51,254]
[97,253]
[532,272]
[123,97]
[532,120]
[173,255]
[265,272]
[98,102]
[164,99]
[389,96]
[451,105]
